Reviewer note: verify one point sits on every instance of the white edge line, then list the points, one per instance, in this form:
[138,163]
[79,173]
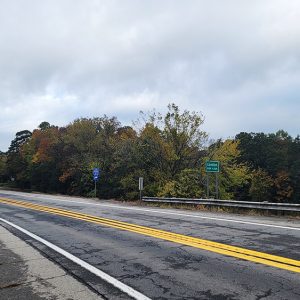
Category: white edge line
[118,284]
[180,214]
[167,213]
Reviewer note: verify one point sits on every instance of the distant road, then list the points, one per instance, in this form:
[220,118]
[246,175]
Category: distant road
[167,253]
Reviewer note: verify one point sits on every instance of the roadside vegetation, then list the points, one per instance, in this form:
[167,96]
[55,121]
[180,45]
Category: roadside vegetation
[168,150]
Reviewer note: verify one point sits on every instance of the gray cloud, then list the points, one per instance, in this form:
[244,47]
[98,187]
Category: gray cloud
[236,61]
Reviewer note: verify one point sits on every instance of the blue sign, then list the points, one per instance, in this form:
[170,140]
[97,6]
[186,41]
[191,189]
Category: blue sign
[96,174]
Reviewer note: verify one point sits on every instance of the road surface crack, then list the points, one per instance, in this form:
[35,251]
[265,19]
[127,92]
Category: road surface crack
[11,285]
[265,295]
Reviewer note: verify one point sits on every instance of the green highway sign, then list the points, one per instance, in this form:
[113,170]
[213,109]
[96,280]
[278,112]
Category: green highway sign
[212,166]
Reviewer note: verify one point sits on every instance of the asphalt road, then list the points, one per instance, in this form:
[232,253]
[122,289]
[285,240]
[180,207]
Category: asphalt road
[27,275]
[159,268]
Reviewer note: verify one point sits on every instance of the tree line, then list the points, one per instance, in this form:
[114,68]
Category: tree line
[168,150]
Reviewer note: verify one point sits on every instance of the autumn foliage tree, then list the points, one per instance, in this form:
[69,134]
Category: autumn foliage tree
[169,150]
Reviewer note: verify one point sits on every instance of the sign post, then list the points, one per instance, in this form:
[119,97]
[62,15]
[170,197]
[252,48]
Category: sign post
[212,166]
[141,186]
[217,186]
[207,185]
[96,174]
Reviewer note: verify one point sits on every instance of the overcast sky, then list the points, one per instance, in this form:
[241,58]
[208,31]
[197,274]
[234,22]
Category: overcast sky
[238,62]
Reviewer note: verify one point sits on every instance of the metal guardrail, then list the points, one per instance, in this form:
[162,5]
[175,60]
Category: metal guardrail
[227,203]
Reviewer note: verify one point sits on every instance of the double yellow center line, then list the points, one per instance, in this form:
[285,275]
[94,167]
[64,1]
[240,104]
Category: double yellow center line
[237,252]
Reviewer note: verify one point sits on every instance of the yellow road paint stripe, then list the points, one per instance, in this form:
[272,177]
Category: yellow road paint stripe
[113,222]
[156,231]
[238,252]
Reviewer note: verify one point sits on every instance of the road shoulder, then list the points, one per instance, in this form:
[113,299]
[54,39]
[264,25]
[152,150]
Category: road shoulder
[26,274]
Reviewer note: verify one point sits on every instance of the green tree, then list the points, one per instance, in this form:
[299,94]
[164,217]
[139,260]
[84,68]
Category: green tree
[294,168]
[16,162]
[89,143]
[187,184]
[3,167]
[43,154]
[284,189]
[141,156]
[266,151]
[20,139]
[169,150]
[44,125]
[185,137]
[261,186]
[233,174]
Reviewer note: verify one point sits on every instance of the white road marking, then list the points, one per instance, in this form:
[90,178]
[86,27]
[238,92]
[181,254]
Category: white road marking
[164,212]
[118,284]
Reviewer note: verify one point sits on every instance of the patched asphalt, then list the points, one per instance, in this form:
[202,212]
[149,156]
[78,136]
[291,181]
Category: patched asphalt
[166,270]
